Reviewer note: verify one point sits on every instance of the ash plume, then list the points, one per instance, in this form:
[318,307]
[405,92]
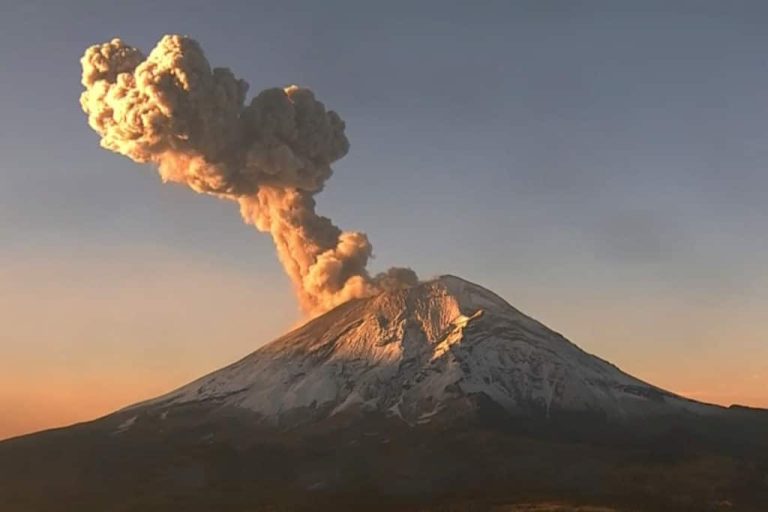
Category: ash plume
[271,156]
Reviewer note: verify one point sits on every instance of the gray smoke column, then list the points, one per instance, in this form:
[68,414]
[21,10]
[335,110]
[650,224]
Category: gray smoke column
[271,156]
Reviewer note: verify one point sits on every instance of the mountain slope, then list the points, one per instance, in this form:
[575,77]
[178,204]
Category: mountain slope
[423,352]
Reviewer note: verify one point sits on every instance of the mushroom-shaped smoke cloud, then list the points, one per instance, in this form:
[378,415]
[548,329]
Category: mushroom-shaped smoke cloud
[271,156]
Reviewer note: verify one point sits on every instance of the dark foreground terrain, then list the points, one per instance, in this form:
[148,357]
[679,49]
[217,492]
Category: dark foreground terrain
[193,460]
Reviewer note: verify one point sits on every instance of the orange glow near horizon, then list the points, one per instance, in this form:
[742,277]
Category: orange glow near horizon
[44,405]
[90,334]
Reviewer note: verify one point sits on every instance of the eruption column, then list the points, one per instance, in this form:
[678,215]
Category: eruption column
[270,156]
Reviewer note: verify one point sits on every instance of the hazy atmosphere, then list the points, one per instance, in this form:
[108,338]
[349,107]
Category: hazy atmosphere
[602,169]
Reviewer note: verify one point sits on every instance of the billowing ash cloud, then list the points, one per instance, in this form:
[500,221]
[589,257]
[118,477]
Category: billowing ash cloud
[271,156]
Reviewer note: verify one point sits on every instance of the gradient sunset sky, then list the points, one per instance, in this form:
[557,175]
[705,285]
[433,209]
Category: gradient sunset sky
[601,165]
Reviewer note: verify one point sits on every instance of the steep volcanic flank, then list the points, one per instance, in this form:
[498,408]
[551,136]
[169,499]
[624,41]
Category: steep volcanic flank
[440,348]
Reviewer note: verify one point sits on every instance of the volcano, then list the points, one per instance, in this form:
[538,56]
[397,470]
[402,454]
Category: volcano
[441,348]
[441,394]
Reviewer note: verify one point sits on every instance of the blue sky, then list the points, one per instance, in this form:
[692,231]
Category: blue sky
[599,164]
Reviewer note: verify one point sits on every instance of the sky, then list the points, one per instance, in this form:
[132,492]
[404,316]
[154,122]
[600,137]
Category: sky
[601,165]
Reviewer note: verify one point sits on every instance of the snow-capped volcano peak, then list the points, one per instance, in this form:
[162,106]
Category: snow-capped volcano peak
[420,352]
